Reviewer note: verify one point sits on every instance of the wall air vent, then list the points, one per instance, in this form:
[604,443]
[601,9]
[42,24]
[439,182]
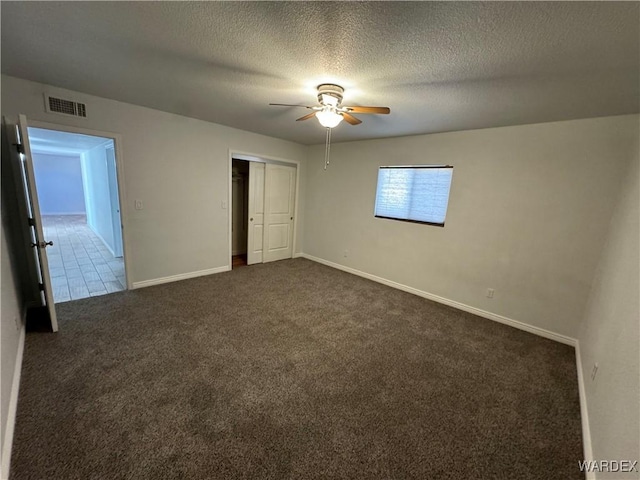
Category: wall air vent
[66,107]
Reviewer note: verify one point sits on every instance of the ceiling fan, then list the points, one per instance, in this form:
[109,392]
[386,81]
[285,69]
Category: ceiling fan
[331,112]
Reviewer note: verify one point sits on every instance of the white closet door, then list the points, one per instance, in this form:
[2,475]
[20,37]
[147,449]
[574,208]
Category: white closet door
[256,213]
[280,188]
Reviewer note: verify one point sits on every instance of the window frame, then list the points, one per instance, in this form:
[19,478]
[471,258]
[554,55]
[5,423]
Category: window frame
[408,220]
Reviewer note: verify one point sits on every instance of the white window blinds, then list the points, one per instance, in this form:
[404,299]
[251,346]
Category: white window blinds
[416,193]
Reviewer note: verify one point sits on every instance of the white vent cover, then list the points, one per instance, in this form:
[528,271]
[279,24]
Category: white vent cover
[65,107]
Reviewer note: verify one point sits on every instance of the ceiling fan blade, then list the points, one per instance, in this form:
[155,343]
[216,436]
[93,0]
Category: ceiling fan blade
[351,119]
[306,117]
[383,110]
[288,105]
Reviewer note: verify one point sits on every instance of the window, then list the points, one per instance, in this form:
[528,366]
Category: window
[417,193]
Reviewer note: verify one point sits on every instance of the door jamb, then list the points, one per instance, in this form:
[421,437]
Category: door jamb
[256,157]
[117,140]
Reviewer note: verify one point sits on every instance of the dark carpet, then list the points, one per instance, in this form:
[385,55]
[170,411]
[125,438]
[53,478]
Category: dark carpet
[291,370]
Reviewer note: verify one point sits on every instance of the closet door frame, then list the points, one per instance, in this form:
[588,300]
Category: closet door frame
[256,157]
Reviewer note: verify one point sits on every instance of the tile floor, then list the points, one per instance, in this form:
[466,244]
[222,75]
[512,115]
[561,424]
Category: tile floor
[80,265]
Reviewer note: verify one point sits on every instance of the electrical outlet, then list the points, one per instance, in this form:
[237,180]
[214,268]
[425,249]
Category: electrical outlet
[594,371]
[224,205]
[345,253]
[138,205]
[490,292]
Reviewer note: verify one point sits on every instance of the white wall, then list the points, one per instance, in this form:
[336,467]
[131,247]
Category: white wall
[59,184]
[610,334]
[12,310]
[528,215]
[177,166]
[98,195]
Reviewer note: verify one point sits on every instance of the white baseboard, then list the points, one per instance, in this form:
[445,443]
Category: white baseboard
[104,242]
[452,303]
[584,414]
[298,255]
[13,406]
[182,276]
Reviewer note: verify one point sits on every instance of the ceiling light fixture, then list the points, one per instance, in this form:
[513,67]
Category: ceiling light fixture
[328,117]
[330,112]
[328,99]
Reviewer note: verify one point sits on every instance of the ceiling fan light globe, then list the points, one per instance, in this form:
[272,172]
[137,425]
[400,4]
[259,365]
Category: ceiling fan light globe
[328,118]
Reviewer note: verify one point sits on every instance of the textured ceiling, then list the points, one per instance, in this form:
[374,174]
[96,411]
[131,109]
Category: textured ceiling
[439,66]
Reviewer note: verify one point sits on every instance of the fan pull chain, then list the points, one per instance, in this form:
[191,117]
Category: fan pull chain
[327,149]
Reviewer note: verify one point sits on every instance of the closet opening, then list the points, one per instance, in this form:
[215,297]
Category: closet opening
[263,207]
[239,212]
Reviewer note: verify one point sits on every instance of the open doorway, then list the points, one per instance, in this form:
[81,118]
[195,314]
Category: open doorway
[239,212]
[77,187]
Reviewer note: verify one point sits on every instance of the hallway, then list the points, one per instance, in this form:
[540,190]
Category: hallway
[79,263]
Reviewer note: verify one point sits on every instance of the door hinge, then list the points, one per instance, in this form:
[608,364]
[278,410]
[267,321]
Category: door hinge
[41,287]
[32,222]
[20,148]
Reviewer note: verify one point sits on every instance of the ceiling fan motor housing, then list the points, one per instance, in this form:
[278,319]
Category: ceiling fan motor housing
[334,91]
